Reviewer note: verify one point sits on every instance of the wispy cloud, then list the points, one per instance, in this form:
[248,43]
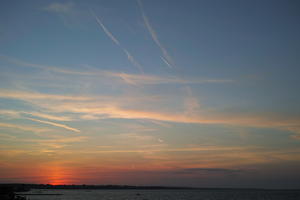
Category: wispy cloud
[207,170]
[129,78]
[24,115]
[191,103]
[35,95]
[107,32]
[51,68]
[112,107]
[44,144]
[144,79]
[133,60]
[23,127]
[166,62]
[48,116]
[135,137]
[98,107]
[166,57]
[54,124]
[163,148]
[66,11]
[62,8]
[10,113]
[116,41]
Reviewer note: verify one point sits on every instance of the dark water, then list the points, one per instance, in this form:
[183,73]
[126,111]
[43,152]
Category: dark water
[164,195]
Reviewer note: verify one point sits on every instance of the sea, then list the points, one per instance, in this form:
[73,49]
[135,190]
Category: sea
[189,194]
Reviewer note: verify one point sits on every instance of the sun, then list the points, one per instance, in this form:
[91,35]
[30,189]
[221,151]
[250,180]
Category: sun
[58,176]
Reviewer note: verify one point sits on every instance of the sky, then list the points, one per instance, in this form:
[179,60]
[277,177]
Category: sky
[201,93]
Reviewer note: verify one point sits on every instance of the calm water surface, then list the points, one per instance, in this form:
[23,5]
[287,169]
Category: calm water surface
[163,195]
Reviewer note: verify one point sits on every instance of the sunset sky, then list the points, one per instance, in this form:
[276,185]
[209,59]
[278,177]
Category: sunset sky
[153,92]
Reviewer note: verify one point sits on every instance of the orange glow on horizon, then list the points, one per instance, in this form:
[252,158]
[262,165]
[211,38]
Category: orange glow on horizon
[58,176]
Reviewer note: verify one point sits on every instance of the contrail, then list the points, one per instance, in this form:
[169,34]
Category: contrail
[132,60]
[116,41]
[165,61]
[108,33]
[166,57]
[54,124]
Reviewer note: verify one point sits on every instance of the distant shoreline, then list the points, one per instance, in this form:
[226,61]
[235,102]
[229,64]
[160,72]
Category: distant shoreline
[19,187]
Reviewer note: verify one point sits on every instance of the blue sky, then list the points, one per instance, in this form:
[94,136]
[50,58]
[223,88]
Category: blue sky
[199,93]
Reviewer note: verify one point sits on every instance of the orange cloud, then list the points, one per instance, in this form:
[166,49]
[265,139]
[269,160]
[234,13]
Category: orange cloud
[91,107]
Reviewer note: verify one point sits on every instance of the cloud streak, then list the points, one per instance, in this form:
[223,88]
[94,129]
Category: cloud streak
[50,117]
[166,57]
[54,124]
[195,171]
[186,149]
[143,79]
[99,107]
[112,107]
[39,96]
[44,67]
[107,32]
[116,41]
[129,78]
[23,127]
[64,8]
